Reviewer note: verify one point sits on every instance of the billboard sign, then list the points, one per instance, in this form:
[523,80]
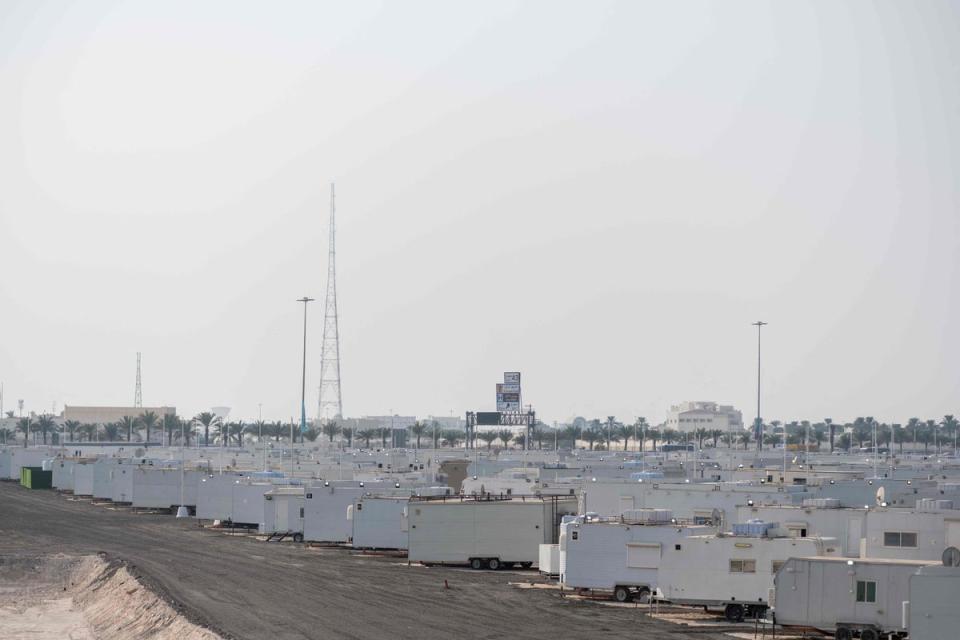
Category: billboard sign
[508,393]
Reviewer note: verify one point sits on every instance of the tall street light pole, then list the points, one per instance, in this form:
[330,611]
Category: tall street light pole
[303,384]
[758,425]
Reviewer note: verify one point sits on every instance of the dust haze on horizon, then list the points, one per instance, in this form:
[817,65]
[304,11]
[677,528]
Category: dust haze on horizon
[601,195]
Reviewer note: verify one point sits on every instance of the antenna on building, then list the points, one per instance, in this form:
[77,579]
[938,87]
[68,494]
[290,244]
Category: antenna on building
[330,403]
[138,394]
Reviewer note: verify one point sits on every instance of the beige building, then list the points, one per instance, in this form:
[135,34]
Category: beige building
[105,415]
[690,416]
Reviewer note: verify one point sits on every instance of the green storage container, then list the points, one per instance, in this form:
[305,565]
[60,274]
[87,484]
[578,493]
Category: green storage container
[36,478]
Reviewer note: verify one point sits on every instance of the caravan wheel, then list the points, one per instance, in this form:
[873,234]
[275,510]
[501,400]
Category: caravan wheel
[298,537]
[526,565]
[869,634]
[733,613]
[843,633]
[622,594]
[476,563]
[643,594]
[493,564]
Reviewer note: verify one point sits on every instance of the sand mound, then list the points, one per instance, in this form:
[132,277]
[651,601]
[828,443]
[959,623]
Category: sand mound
[85,598]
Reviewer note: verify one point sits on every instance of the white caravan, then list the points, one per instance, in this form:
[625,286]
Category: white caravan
[619,556]
[733,572]
[848,597]
[485,532]
[159,488]
[325,509]
[283,512]
[379,522]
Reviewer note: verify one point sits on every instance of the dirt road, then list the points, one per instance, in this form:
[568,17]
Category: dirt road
[250,590]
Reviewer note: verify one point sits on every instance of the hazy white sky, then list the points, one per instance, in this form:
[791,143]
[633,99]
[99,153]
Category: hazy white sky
[601,195]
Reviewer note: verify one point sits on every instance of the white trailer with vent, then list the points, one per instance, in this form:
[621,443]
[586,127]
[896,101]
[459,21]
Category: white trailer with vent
[325,509]
[731,572]
[379,522]
[485,532]
[283,512]
[618,556]
[867,598]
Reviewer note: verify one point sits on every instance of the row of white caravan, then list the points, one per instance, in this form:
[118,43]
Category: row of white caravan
[648,553]
[431,525]
[141,483]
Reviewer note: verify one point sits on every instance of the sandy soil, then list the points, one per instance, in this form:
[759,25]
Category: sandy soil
[241,588]
[83,598]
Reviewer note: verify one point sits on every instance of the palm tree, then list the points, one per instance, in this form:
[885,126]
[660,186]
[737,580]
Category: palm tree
[169,423]
[832,428]
[90,430]
[383,437]
[128,423]
[932,430]
[590,435]
[276,430]
[258,428]
[572,432]
[111,431]
[771,439]
[950,425]
[149,420]
[624,432]
[25,425]
[71,426]
[488,437]
[239,428]
[330,429]
[654,436]
[745,439]
[451,437]
[311,434]
[861,430]
[45,424]
[365,435]
[222,432]
[6,434]
[845,441]
[206,419]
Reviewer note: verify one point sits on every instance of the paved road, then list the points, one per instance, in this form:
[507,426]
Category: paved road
[250,590]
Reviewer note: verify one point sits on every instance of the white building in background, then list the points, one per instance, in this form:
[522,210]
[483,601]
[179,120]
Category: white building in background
[690,416]
[446,422]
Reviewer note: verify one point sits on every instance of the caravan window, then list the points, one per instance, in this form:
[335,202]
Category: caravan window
[899,539]
[866,591]
[743,566]
[776,566]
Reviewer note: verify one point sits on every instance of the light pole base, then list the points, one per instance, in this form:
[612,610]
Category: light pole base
[183,512]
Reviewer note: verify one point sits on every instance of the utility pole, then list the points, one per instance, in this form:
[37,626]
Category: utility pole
[138,392]
[758,425]
[303,385]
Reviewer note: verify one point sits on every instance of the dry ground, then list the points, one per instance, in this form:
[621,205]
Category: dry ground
[245,589]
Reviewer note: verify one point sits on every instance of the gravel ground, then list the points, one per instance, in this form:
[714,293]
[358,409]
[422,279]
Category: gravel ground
[245,589]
